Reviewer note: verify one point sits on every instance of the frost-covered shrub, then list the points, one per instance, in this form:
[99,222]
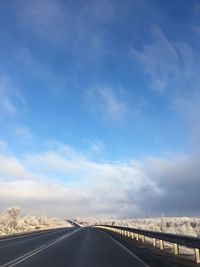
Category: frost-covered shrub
[174,225]
[12,222]
[13,213]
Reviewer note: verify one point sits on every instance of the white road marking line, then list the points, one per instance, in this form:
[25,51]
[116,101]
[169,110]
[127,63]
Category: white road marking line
[7,238]
[130,252]
[35,251]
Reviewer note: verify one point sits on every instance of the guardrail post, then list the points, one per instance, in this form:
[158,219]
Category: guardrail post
[154,242]
[161,244]
[142,238]
[137,237]
[132,235]
[197,255]
[176,249]
[158,239]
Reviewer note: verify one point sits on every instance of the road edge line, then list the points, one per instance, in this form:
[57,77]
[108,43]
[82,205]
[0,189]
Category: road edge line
[127,250]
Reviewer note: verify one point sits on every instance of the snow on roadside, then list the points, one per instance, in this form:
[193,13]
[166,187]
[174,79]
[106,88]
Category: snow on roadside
[11,222]
[176,225]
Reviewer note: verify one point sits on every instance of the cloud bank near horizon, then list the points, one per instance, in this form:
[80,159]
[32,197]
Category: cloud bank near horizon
[42,182]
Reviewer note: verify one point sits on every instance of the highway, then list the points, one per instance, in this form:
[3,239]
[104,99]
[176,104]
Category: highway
[71,247]
[83,247]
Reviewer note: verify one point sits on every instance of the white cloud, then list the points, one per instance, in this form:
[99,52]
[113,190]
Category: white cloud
[11,99]
[12,168]
[173,70]
[41,17]
[65,181]
[108,103]
[196,29]
[168,64]
[68,25]
[3,145]
[24,134]
[52,82]
[115,107]
[28,182]
[159,59]
[6,104]
[96,147]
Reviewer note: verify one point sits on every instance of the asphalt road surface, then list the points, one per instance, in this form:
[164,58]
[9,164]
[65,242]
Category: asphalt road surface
[69,247]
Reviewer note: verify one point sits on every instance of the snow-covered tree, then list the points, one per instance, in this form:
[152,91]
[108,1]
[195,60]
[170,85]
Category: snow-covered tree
[13,214]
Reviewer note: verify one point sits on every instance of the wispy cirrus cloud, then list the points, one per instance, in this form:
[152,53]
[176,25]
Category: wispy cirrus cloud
[114,104]
[170,65]
[11,99]
[173,71]
[23,134]
[196,21]
[6,104]
[42,18]
[160,60]
[108,103]
[96,147]
[68,25]
[3,145]
[47,79]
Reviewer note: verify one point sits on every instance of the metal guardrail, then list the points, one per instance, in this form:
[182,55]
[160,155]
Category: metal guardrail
[176,240]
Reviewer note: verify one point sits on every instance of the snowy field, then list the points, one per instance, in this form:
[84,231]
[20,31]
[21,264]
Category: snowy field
[176,225]
[11,222]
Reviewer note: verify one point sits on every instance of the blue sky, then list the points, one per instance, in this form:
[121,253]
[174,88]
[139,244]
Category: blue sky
[99,97]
